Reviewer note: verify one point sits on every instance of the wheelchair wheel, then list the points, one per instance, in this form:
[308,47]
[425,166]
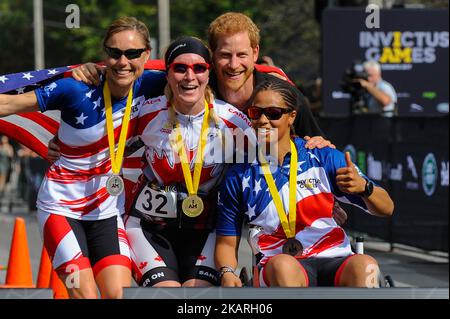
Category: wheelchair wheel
[385,281]
[389,281]
[245,279]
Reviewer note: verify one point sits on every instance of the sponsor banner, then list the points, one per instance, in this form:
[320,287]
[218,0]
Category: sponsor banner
[409,158]
[410,44]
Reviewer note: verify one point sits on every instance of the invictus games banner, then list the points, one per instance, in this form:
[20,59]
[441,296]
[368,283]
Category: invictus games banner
[410,44]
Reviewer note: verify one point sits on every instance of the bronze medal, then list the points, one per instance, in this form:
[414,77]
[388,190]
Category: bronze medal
[114,185]
[192,206]
[292,247]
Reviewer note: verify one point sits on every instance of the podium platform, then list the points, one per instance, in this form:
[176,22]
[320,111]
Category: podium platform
[25,293]
[286,293]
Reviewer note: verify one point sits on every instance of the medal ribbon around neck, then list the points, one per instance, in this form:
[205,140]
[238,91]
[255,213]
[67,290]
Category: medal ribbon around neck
[116,157]
[192,184]
[287,221]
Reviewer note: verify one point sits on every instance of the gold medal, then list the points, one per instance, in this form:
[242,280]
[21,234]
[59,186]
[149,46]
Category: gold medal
[192,206]
[292,247]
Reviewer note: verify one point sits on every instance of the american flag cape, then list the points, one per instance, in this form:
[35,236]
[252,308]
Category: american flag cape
[35,129]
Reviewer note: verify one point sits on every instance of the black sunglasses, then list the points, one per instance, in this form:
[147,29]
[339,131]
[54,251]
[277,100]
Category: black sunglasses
[271,112]
[182,68]
[130,54]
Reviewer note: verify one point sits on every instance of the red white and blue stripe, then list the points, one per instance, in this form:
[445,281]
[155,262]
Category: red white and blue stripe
[244,195]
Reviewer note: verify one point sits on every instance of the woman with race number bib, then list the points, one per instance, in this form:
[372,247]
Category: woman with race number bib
[81,199]
[170,225]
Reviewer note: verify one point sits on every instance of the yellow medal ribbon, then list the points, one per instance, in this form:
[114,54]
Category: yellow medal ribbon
[192,185]
[116,157]
[287,221]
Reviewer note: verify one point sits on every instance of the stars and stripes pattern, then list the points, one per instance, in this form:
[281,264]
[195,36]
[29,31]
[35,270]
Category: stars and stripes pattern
[22,82]
[79,121]
[35,129]
[245,196]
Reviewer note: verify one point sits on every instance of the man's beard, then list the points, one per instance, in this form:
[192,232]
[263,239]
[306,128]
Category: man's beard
[237,85]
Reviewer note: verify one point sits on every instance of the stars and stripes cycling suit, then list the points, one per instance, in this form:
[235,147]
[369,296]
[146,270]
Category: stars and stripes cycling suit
[244,195]
[80,222]
[171,246]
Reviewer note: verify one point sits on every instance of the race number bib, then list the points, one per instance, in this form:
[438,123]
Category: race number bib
[157,203]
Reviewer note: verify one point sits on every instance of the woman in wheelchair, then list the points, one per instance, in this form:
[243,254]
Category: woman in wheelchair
[306,248]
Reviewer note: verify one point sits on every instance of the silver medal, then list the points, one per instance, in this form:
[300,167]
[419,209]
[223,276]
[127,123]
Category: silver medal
[114,185]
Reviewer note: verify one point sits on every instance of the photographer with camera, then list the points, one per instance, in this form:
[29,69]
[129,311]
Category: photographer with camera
[369,93]
[380,95]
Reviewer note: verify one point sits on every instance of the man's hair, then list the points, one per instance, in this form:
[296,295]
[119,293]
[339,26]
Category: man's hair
[372,64]
[231,23]
[128,23]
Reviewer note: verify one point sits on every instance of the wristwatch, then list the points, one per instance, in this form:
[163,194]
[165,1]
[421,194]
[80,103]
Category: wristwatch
[368,190]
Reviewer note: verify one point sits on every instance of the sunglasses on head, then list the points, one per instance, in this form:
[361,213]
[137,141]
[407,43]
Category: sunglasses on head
[271,112]
[182,68]
[130,54]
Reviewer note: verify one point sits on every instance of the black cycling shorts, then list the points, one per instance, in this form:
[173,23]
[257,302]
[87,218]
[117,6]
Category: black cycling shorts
[178,254]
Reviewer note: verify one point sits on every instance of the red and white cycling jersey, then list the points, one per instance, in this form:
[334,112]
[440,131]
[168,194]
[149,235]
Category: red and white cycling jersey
[155,130]
[164,166]
[75,185]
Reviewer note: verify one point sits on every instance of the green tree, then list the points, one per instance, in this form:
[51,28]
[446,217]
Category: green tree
[290,34]
[63,46]
[16,38]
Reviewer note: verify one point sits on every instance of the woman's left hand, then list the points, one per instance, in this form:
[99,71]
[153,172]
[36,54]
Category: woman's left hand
[347,178]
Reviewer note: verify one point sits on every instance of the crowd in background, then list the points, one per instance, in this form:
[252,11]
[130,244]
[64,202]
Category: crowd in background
[21,173]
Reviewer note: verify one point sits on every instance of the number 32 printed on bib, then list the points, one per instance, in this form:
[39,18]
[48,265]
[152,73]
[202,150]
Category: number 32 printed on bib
[157,203]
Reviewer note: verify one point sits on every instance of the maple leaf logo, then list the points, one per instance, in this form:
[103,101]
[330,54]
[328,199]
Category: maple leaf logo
[143,264]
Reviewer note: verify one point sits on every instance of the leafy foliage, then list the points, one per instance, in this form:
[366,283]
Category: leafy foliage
[290,33]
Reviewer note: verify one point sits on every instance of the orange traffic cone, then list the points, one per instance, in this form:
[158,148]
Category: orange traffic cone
[59,290]
[19,266]
[45,270]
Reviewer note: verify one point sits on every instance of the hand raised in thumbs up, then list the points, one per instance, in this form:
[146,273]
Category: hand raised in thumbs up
[347,178]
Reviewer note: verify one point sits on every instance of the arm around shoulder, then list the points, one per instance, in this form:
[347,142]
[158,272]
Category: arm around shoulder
[22,103]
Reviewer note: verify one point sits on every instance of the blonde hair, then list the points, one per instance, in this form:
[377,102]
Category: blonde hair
[128,23]
[231,23]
